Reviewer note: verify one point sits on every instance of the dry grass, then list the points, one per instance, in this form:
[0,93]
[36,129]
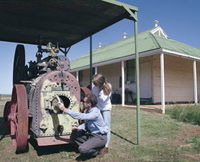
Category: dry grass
[162,139]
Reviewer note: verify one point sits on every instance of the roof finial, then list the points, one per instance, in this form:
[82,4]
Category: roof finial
[100,45]
[124,35]
[156,22]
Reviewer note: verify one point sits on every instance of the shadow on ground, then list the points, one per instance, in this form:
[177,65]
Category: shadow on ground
[83,158]
[46,150]
[49,150]
[123,138]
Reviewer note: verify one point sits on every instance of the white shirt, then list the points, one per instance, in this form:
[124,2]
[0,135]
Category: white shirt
[104,102]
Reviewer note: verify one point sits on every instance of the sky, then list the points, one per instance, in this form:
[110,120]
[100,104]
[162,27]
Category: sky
[180,19]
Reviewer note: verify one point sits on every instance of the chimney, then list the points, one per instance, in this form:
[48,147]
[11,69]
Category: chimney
[124,35]
[156,22]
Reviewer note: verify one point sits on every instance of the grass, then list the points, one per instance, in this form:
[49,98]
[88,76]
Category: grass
[189,114]
[195,142]
[162,139]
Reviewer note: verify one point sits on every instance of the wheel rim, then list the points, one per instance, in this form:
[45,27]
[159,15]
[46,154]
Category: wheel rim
[19,118]
[84,92]
[6,123]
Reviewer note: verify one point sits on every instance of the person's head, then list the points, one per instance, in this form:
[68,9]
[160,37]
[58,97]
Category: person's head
[100,81]
[89,101]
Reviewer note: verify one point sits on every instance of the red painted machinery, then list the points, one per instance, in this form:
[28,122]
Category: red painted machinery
[33,107]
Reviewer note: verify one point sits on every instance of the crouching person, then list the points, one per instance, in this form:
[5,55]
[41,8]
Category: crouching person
[90,136]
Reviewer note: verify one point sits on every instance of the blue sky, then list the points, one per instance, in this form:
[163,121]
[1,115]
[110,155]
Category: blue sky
[180,19]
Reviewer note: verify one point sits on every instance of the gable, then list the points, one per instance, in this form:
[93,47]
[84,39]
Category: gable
[160,32]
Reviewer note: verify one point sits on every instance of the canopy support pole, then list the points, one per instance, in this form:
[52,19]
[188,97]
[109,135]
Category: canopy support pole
[137,82]
[91,73]
[135,18]
[65,51]
[123,86]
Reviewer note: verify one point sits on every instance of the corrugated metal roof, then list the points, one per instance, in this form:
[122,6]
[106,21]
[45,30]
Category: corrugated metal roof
[176,46]
[126,47]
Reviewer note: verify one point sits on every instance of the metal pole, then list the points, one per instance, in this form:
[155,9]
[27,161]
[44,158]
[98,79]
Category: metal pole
[123,87]
[91,62]
[137,82]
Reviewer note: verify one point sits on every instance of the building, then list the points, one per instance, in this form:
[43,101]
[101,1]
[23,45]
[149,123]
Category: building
[169,70]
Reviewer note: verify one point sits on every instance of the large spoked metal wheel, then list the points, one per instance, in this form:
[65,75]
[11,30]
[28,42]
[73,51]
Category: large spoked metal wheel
[6,123]
[18,118]
[84,91]
[19,69]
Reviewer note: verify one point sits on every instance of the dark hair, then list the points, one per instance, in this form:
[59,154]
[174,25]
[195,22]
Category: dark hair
[100,81]
[91,98]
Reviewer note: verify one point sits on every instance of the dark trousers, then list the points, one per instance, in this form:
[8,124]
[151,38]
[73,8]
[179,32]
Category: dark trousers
[88,143]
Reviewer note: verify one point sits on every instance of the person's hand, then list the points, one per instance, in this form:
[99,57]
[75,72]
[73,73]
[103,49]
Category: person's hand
[58,99]
[60,104]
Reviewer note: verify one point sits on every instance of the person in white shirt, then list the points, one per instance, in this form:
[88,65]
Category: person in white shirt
[103,90]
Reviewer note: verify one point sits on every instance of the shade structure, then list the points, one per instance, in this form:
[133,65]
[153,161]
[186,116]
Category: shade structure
[65,22]
[58,21]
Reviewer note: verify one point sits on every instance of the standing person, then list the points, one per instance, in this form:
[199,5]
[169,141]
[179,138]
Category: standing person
[103,90]
[90,136]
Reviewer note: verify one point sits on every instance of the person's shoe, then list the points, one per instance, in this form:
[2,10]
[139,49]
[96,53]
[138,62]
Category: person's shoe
[102,152]
[73,154]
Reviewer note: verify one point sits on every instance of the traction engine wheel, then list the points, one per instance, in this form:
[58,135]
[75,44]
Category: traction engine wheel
[84,91]
[6,123]
[19,72]
[19,118]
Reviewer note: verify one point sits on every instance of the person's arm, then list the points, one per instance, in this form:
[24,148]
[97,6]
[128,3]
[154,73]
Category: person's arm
[93,114]
[81,126]
[95,91]
[82,116]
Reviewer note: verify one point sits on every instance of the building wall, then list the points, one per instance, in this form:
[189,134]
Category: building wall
[84,79]
[198,80]
[113,73]
[178,79]
[146,77]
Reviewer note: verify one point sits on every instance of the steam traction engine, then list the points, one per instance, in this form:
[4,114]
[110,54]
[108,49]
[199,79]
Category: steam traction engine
[33,107]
